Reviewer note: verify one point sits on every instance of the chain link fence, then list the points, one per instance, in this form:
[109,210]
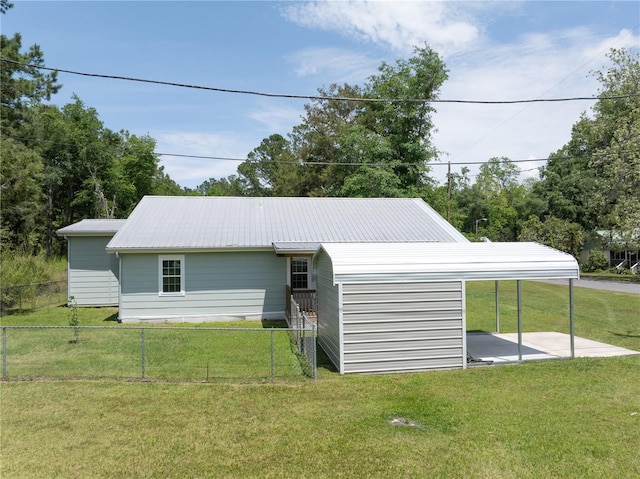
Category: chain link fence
[21,297]
[156,353]
[304,331]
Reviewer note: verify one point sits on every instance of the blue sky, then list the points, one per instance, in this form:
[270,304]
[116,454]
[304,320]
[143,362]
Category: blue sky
[494,50]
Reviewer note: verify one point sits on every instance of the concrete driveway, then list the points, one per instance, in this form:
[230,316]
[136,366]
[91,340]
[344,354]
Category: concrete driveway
[498,348]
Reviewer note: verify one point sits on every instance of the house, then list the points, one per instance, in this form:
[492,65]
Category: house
[92,273]
[387,274]
[621,248]
[210,258]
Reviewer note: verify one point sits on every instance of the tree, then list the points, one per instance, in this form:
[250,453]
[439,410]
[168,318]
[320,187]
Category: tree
[407,125]
[496,200]
[554,232]
[594,180]
[230,186]
[22,84]
[345,146]
[75,159]
[618,130]
[315,143]
[163,185]
[270,169]
[5,6]
[376,178]
[131,174]
[61,165]
[89,171]
[21,195]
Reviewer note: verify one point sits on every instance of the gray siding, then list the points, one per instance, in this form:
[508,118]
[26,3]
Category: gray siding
[328,309]
[225,285]
[93,273]
[402,326]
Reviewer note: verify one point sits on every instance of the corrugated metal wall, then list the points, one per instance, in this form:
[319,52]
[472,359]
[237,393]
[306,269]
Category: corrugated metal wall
[93,273]
[225,285]
[328,310]
[402,326]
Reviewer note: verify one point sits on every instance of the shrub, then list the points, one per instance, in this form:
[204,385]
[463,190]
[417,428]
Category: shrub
[21,269]
[597,262]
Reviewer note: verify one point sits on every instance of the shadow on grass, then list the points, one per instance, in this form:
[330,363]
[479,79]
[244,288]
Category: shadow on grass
[274,323]
[323,362]
[113,318]
[11,311]
[620,335]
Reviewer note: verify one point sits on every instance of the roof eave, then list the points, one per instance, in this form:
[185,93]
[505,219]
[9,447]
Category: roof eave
[184,250]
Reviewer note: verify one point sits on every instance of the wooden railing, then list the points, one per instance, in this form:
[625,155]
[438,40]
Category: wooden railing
[306,299]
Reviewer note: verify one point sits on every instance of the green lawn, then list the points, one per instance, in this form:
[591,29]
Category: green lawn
[236,351]
[563,419]
[567,418]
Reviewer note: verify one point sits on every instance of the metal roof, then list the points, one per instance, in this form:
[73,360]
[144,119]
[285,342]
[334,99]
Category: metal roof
[189,222]
[447,261]
[98,227]
[295,247]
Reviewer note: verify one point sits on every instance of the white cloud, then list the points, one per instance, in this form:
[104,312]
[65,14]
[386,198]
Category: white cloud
[538,66]
[191,172]
[335,63]
[624,39]
[277,119]
[398,25]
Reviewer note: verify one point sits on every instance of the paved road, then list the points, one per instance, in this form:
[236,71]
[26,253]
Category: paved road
[618,286]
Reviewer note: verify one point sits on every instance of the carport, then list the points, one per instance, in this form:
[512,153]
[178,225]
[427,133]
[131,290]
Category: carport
[389,307]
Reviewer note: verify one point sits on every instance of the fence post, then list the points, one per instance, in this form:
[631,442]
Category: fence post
[314,356]
[4,352]
[142,351]
[273,356]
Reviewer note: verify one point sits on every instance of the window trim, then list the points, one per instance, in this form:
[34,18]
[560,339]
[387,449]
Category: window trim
[306,273]
[178,257]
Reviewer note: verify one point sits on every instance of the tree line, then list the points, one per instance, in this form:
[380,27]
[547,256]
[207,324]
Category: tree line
[61,164]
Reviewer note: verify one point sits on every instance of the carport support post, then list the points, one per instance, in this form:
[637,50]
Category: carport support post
[497,309]
[519,320]
[571,333]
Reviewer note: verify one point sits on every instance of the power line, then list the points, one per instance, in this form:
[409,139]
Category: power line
[390,163]
[317,163]
[317,97]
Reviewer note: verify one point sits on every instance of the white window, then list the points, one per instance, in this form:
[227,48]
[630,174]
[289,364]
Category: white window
[171,275]
[300,273]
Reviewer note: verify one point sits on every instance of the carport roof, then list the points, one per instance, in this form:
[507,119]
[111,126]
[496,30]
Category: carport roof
[406,262]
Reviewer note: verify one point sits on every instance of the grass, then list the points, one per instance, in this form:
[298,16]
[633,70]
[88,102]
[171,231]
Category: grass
[561,419]
[577,418]
[238,351]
